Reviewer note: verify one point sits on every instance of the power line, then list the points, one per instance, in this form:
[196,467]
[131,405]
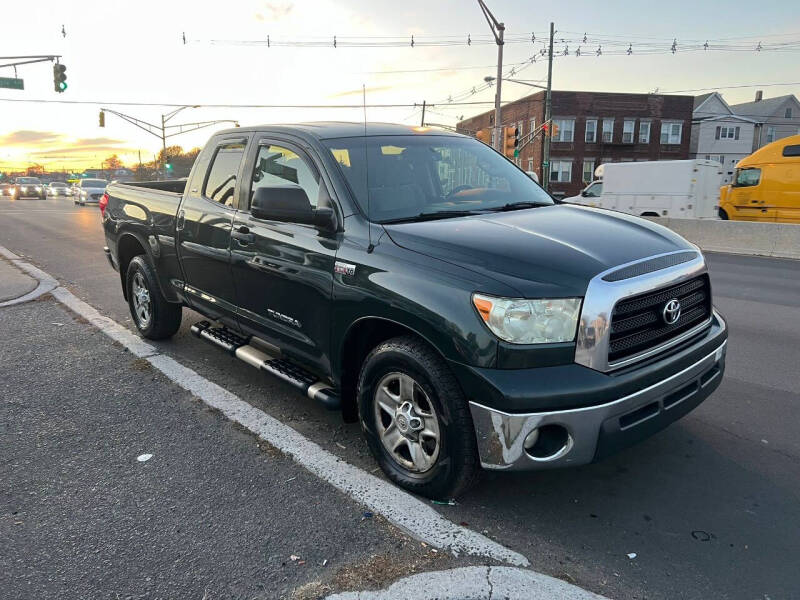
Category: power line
[169,105]
[335,41]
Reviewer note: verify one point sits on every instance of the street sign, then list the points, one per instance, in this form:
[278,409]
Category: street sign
[11,83]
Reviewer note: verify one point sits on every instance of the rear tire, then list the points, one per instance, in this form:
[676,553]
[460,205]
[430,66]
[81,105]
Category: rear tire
[155,318]
[405,374]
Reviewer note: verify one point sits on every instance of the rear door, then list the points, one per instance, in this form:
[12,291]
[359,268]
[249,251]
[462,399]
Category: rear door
[204,226]
[283,272]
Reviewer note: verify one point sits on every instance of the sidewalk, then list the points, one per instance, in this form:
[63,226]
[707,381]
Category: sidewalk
[13,282]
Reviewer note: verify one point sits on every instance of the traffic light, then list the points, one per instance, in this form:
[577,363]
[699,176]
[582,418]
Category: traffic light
[168,167]
[510,141]
[59,77]
[483,136]
[102,119]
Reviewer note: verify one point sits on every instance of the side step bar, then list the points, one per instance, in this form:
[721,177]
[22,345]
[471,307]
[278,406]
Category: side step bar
[239,346]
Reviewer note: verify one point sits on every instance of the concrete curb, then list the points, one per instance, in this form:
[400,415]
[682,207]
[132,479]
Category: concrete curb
[476,583]
[45,282]
[776,240]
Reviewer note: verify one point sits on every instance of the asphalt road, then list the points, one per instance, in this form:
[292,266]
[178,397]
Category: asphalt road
[710,506]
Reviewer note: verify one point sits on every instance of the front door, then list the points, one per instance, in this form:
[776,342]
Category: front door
[283,272]
[748,197]
[204,226]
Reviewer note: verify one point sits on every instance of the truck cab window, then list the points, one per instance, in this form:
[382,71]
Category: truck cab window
[276,165]
[221,180]
[747,177]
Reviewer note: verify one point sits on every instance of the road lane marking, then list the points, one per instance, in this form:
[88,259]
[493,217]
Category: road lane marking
[412,515]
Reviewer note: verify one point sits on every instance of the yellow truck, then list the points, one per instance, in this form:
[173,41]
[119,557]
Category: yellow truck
[766,185]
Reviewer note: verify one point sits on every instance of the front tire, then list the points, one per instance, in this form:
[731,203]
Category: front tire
[723,215]
[416,420]
[155,318]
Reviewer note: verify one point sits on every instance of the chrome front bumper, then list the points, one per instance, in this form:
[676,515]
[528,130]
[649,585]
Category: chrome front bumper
[501,436]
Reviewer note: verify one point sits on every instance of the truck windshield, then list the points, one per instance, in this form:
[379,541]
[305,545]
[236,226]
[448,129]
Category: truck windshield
[398,178]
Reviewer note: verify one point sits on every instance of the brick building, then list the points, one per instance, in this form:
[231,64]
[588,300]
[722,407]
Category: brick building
[595,128]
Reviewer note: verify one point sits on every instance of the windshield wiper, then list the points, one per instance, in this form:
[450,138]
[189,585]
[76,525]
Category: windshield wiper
[517,206]
[430,216]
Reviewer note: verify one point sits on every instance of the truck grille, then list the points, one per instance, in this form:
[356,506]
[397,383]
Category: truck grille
[638,324]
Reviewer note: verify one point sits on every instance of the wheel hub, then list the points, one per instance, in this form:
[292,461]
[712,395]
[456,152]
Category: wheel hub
[407,420]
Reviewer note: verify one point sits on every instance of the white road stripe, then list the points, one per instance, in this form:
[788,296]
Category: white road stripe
[405,511]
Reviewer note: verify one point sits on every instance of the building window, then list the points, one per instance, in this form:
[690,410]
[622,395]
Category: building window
[533,125]
[788,113]
[588,170]
[493,135]
[608,130]
[530,165]
[727,133]
[770,134]
[671,132]
[561,171]
[627,130]
[566,129]
[591,131]
[720,158]
[644,132]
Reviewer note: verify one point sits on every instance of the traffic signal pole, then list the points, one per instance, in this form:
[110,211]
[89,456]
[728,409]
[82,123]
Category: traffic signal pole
[498,29]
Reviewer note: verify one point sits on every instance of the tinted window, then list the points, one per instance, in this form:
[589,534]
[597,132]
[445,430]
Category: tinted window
[221,180]
[94,183]
[28,180]
[792,150]
[278,166]
[747,177]
[400,177]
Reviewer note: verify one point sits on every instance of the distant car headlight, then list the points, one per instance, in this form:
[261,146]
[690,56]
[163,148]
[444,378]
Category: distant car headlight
[525,321]
[38,188]
[83,192]
[23,189]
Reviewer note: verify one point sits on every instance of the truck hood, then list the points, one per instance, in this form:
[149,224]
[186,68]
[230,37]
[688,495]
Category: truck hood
[552,251]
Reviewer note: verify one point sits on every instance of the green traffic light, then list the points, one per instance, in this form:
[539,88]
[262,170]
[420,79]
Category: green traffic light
[62,86]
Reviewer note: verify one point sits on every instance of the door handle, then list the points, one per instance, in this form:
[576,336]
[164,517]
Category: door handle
[242,235]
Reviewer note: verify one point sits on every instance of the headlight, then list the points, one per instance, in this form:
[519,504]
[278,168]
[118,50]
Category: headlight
[83,192]
[523,321]
[38,189]
[23,189]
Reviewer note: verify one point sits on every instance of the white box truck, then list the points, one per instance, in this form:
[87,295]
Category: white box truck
[687,189]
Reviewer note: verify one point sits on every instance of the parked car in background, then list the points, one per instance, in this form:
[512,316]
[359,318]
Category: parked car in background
[89,191]
[29,187]
[766,185]
[683,189]
[6,189]
[59,188]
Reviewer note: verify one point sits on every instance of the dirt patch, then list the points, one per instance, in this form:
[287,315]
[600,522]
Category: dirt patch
[378,571]
[141,365]
[266,447]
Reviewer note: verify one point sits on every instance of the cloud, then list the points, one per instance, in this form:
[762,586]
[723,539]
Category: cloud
[96,141]
[359,91]
[275,11]
[25,137]
[85,149]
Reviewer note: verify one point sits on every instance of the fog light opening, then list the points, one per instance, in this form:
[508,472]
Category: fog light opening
[548,442]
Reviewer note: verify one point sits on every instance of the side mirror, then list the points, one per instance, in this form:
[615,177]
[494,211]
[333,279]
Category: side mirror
[584,193]
[289,203]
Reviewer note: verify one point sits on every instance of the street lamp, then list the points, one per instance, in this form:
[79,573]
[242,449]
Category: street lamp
[490,79]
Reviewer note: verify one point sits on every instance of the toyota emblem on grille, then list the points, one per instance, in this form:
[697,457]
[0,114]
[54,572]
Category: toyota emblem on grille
[672,311]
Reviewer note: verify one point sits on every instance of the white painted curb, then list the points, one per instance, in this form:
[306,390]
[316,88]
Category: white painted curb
[476,583]
[414,516]
[46,283]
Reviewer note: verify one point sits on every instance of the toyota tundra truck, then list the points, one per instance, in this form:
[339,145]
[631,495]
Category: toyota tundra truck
[423,285]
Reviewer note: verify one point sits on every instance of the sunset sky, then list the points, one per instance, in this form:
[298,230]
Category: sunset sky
[133,52]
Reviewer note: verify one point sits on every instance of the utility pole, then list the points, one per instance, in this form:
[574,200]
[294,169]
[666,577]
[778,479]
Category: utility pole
[422,123]
[498,30]
[547,115]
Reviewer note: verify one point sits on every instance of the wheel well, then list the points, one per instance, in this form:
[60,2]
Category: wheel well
[127,247]
[361,338]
